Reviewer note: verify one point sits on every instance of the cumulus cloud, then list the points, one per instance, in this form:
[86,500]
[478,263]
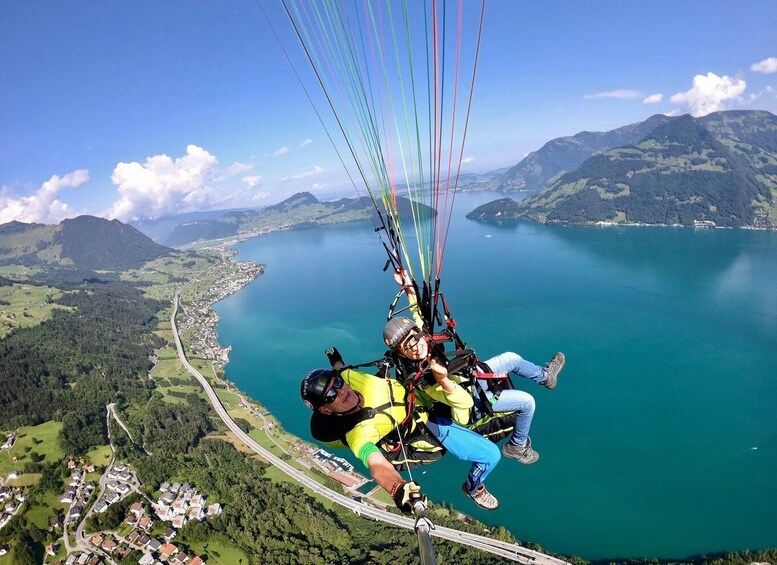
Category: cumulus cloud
[620,93]
[710,93]
[467,160]
[281,151]
[163,186]
[252,181]
[44,205]
[315,171]
[767,66]
[259,196]
[653,99]
[306,143]
[235,169]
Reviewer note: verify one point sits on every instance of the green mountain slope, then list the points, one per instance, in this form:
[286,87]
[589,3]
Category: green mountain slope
[85,243]
[719,169]
[301,210]
[565,154]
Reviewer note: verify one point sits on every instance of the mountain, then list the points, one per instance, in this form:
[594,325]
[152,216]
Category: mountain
[720,169]
[85,243]
[300,210]
[565,154]
[159,229]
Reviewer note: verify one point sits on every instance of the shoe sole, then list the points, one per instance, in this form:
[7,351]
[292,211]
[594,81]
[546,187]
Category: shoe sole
[519,458]
[473,499]
[563,362]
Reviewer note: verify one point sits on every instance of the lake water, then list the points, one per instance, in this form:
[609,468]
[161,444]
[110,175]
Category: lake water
[661,438]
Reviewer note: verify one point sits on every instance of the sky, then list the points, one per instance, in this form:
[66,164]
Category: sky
[144,109]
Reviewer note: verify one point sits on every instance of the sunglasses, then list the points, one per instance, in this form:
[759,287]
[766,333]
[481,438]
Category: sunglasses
[412,340]
[331,393]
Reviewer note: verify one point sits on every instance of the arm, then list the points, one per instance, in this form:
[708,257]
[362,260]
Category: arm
[382,471]
[404,280]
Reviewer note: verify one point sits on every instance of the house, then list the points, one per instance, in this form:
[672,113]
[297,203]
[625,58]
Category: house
[83,559]
[147,559]
[170,534]
[164,487]
[179,521]
[113,497]
[120,467]
[21,497]
[196,513]
[97,539]
[136,509]
[51,549]
[71,464]
[168,550]
[167,499]
[215,510]
[197,561]
[123,488]
[68,496]
[125,476]
[75,512]
[145,522]
[113,485]
[133,536]
[4,519]
[180,506]
[89,468]
[109,545]
[179,558]
[131,519]
[143,540]
[5,493]
[175,487]
[56,522]
[94,560]
[197,500]
[154,544]
[100,507]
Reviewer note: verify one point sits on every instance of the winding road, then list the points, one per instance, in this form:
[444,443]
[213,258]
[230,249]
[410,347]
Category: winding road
[506,550]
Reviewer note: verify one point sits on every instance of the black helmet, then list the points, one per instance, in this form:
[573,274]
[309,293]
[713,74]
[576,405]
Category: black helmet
[314,387]
[396,329]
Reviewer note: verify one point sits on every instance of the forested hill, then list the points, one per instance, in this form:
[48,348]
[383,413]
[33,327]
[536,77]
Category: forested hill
[718,170]
[80,245]
[301,210]
[565,154]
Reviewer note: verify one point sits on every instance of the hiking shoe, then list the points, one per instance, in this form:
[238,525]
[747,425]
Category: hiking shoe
[524,454]
[482,497]
[552,369]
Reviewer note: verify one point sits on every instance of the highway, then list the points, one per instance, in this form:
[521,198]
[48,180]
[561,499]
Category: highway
[506,550]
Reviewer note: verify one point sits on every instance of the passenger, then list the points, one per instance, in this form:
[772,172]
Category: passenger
[369,414]
[411,343]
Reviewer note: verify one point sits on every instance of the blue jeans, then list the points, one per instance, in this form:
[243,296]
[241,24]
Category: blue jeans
[511,399]
[467,446]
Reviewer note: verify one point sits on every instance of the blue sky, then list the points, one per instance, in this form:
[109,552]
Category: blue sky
[141,108]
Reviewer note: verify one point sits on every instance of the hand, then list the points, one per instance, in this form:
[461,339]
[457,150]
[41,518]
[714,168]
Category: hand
[403,279]
[407,495]
[335,359]
[439,370]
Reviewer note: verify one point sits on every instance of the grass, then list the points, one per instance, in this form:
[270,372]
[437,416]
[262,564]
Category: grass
[42,439]
[42,508]
[219,553]
[27,306]
[100,456]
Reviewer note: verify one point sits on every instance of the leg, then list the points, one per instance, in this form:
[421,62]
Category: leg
[510,362]
[467,446]
[512,400]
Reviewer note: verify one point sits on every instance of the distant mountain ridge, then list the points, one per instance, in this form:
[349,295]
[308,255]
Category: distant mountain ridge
[720,170]
[85,243]
[300,210]
[565,154]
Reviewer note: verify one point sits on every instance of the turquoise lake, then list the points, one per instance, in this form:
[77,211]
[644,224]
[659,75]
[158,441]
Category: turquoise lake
[661,438]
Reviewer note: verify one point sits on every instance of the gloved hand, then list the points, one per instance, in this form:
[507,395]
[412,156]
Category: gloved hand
[407,495]
[335,359]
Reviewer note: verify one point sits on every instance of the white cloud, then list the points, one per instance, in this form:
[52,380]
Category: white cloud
[44,206]
[467,160]
[710,93]
[620,93]
[281,151]
[252,181]
[316,171]
[653,99]
[306,143]
[259,196]
[767,66]
[161,186]
[236,168]
[317,186]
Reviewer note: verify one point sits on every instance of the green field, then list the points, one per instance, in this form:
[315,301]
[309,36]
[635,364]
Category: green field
[42,439]
[27,306]
[100,456]
[219,553]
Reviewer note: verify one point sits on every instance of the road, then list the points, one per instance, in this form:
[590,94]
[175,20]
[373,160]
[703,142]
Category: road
[506,550]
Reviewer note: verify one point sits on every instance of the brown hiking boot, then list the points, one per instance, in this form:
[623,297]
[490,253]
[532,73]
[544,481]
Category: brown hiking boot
[524,454]
[552,369]
[482,497]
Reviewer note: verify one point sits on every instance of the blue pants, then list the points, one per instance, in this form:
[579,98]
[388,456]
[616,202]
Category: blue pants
[467,446]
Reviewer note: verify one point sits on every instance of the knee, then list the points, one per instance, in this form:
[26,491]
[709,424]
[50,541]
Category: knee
[492,453]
